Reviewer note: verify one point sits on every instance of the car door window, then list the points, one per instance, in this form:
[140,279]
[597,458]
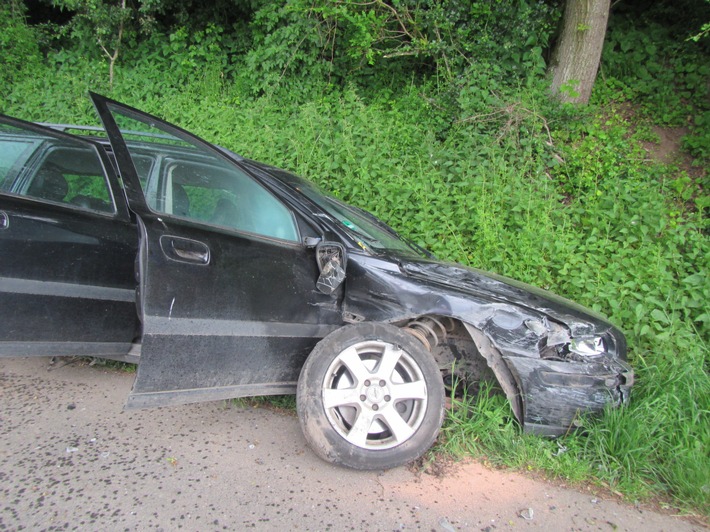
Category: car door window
[57,170]
[183,178]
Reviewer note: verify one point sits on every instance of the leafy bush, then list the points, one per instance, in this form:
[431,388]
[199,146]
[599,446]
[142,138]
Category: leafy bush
[19,49]
[654,64]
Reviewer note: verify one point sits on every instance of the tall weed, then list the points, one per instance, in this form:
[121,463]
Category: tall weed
[19,49]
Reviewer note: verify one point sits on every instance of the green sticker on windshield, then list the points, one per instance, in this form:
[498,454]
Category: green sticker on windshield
[349,225]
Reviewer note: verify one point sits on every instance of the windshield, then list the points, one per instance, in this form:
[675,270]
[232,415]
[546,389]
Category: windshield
[370,232]
[368,229]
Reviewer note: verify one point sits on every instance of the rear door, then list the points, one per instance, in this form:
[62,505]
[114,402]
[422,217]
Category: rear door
[67,247]
[228,290]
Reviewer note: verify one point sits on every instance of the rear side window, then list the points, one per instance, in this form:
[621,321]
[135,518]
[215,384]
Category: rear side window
[58,170]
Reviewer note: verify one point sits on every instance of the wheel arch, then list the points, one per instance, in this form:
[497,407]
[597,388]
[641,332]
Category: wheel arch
[448,338]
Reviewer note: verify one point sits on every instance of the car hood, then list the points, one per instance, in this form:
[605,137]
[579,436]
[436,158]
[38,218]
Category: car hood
[500,289]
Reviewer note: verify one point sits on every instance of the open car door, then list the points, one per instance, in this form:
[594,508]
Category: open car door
[228,297]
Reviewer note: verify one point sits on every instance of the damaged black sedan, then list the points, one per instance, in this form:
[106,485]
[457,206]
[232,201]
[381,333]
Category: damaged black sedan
[223,277]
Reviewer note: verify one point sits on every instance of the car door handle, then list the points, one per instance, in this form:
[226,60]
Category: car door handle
[4,220]
[185,250]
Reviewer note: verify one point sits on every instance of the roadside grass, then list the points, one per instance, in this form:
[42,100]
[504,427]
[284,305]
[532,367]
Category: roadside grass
[123,367]
[280,403]
[563,199]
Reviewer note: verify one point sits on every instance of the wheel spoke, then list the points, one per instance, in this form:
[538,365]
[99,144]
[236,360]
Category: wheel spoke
[408,390]
[360,429]
[333,398]
[352,361]
[400,430]
[390,357]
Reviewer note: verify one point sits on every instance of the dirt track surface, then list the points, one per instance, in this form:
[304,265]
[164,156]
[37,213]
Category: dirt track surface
[71,459]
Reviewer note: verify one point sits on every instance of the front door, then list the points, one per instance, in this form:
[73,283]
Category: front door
[228,302]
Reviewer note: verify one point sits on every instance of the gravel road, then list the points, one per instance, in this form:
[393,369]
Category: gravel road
[71,459]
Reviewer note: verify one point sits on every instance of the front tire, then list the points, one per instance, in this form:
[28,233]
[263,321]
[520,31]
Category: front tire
[370,396]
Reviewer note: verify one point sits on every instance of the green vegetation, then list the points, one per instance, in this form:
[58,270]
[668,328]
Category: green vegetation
[448,134]
[281,403]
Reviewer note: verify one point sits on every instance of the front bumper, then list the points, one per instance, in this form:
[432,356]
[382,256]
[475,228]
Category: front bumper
[556,393]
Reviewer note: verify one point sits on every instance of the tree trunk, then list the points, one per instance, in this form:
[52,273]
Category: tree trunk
[575,60]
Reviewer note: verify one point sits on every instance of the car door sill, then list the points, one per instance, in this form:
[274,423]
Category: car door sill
[121,351]
[181,397]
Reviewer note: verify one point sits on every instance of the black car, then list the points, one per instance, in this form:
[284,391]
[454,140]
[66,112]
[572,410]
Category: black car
[223,277]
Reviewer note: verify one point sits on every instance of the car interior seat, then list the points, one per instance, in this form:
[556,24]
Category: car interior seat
[226,213]
[49,183]
[181,201]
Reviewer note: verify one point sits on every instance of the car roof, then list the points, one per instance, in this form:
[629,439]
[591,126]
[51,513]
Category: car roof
[98,133]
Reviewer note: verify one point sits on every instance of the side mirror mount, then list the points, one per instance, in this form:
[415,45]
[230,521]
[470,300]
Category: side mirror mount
[331,259]
[311,241]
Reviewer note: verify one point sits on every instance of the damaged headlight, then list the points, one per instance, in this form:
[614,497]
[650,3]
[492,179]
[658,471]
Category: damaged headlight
[588,347]
[556,343]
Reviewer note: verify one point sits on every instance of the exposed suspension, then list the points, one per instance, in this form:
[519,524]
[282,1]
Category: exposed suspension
[430,331]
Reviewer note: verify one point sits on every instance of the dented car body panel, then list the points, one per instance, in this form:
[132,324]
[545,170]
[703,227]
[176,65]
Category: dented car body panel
[224,273]
[552,387]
